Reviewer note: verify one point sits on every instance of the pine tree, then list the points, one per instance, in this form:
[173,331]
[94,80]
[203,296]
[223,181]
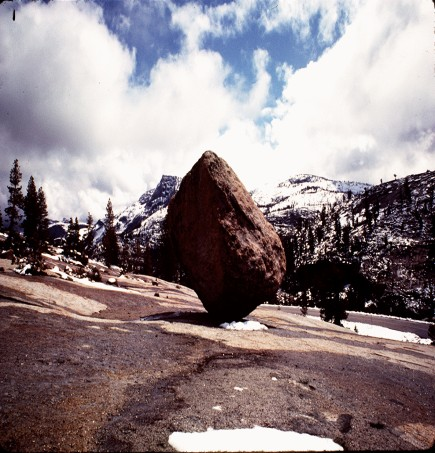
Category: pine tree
[15,203]
[148,268]
[110,240]
[368,214]
[137,258]
[43,217]
[346,238]
[125,258]
[88,238]
[77,241]
[35,222]
[30,208]
[72,240]
[310,239]
[332,307]
[323,216]
[337,227]
[407,191]
[69,238]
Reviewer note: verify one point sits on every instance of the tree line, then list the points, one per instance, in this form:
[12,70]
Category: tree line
[29,212]
[326,254]
[27,229]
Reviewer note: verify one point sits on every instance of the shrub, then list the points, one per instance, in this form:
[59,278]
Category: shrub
[94,274]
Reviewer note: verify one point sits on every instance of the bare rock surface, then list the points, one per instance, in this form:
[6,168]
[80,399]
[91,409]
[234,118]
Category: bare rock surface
[101,368]
[233,255]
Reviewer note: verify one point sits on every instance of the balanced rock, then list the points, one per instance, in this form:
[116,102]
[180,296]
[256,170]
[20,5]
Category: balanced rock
[231,253]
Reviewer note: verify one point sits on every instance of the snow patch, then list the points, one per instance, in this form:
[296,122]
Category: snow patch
[25,270]
[243,325]
[250,439]
[383,332]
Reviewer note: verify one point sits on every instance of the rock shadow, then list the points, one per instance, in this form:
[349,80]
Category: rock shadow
[198,318]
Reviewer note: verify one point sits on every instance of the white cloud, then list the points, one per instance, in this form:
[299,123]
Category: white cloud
[62,76]
[71,114]
[193,22]
[362,110]
[297,15]
[59,62]
[227,19]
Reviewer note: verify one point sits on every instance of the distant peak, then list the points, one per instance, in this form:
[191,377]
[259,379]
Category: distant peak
[304,177]
[169,178]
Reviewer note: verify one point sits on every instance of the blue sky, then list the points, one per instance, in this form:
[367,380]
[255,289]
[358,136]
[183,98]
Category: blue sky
[98,98]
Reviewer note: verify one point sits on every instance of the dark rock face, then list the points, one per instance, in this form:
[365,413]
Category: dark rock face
[233,256]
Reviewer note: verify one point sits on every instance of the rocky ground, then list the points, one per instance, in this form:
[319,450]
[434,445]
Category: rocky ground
[80,370]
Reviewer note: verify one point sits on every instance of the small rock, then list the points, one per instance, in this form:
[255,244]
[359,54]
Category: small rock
[344,422]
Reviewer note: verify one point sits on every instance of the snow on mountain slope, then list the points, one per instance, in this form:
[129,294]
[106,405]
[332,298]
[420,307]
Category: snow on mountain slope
[302,196]
[388,231]
[384,232]
[144,217]
[304,192]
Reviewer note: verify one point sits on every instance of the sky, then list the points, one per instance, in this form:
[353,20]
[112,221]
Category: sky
[99,99]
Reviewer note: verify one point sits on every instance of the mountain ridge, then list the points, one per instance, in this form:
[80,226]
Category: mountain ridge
[150,209]
[380,238]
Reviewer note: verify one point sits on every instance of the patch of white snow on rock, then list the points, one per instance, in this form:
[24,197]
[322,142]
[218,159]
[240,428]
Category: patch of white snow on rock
[250,439]
[383,332]
[243,325]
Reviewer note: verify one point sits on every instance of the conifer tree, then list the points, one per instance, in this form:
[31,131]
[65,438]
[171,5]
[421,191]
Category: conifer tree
[407,194]
[69,238]
[125,258]
[15,203]
[148,268]
[323,216]
[30,208]
[43,216]
[72,241]
[337,226]
[88,238]
[346,238]
[77,241]
[137,257]
[110,240]
[319,233]
[310,238]
[35,222]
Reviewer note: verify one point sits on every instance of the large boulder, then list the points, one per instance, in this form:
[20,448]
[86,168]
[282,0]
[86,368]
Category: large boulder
[231,253]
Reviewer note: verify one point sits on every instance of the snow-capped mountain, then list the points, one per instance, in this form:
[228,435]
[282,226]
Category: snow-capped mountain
[378,241]
[304,192]
[385,235]
[143,218]
[302,196]
[283,204]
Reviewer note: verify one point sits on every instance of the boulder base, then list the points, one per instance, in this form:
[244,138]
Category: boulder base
[231,253]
